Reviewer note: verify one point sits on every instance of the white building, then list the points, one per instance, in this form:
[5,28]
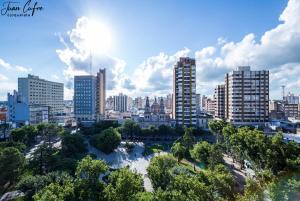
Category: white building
[36,91]
[247,96]
[120,103]
[184,92]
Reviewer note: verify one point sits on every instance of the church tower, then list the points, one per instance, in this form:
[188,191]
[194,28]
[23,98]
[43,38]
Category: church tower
[147,112]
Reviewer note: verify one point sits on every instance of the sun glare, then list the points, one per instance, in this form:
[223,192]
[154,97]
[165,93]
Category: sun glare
[99,39]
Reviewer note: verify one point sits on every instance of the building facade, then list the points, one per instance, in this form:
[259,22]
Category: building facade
[85,98]
[38,114]
[36,91]
[184,92]
[120,103]
[291,99]
[154,114]
[219,96]
[17,109]
[100,93]
[247,96]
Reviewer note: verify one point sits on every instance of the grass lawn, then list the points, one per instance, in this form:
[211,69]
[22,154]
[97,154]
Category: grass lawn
[155,148]
[190,166]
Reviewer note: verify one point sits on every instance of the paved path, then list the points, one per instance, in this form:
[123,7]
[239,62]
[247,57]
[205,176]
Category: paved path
[239,175]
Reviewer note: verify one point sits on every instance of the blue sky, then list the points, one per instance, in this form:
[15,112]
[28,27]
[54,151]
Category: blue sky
[147,36]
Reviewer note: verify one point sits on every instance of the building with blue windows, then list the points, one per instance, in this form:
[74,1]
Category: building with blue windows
[17,109]
[85,98]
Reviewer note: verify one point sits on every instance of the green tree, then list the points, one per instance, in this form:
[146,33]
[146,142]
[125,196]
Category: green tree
[107,141]
[165,130]
[31,184]
[11,166]
[178,151]
[216,127]
[18,145]
[42,159]
[191,187]
[221,182]
[159,170]
[72,145]
[131,128]
[188,138]
[201,152]
[88,185]
[123,185]
[26,134]
[56,192]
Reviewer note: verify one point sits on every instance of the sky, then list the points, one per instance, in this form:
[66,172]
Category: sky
[139,41]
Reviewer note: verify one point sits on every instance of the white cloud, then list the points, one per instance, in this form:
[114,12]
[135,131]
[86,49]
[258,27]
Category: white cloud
[154,75]
[23,69]
[55,77]
[3,77]
[277,50]
[4,64]
[77,58]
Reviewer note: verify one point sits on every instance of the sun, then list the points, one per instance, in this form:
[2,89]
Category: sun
[98,37]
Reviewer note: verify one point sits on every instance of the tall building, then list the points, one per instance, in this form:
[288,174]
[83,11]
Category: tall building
[198,103]
[100,93]
[36,91]
[219,102]
[17,109]
[247,96]
[184,91]
[85,98]
[138,103]
[210,105]
[120,103]
[110,103]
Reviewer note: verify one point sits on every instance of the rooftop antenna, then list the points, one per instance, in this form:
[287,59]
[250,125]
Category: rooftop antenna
[283,91]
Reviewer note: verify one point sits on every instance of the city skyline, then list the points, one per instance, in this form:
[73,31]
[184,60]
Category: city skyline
[270,40]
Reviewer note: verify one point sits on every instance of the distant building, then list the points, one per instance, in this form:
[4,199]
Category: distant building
[36,91]
[203,119]
[38,114]
[247,97]
[100,93]
[184,92]
[210,106]
[276,109]
[291,110]
[110,103]
[3,114]
[120,103]
[219,95]
[154,115]
[198,103]
[17,109]
[291,99]
[85,98]
[138,103]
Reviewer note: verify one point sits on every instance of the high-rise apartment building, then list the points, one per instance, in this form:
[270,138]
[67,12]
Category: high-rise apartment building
[219,96]
[247,96]
[100,93]
[85,98]
[184,92]
[36,91]
[89,96]
[120,103]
